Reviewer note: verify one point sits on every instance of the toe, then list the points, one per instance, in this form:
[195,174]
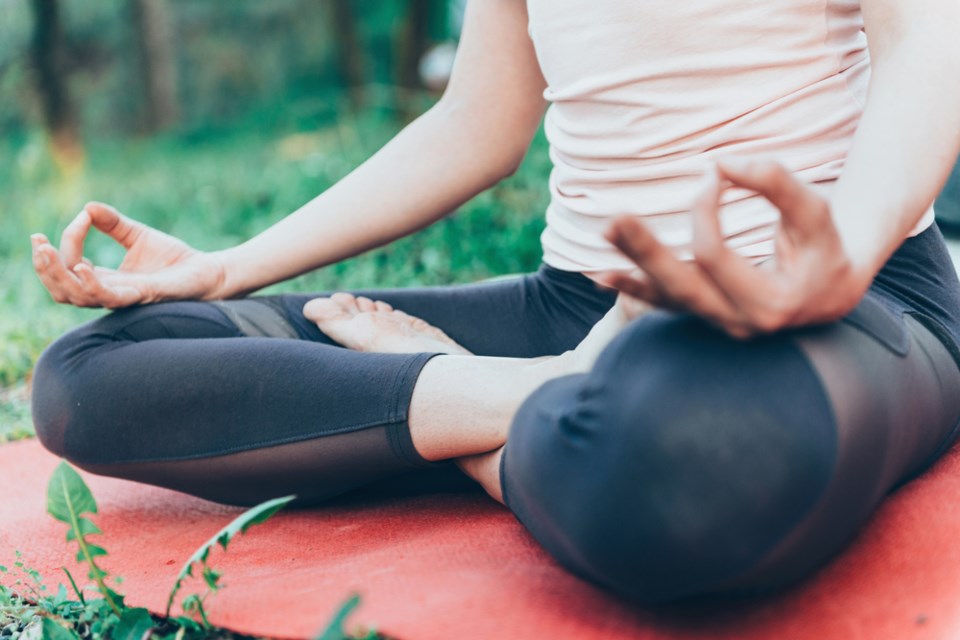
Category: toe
[366,305]
[346,300]
[322,309]
[421,325]
[383,306]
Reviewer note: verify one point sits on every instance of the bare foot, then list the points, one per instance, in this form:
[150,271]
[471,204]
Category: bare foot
[363,324]
[581,359]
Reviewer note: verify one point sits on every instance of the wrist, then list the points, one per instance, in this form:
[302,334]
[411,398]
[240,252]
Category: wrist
[223,265]
[862,241]
[861,244]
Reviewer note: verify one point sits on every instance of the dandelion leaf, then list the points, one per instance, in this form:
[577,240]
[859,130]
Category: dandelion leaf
[68,496]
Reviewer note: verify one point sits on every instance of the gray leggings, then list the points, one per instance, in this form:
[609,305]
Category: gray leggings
[684,463]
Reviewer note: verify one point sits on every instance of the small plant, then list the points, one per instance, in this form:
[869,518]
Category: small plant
[69,500]
[28,610]
[194,603]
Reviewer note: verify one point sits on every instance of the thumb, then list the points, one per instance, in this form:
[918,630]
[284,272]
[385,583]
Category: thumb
[108,220]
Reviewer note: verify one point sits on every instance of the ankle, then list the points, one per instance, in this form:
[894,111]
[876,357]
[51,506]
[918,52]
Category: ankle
[542,370]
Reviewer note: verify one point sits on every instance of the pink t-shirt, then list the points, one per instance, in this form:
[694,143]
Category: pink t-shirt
[645,93]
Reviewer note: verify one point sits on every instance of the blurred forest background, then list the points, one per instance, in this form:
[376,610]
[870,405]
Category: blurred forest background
[211,120]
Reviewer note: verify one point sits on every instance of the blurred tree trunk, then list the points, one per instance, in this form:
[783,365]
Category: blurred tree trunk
[158,63]
[48,54]
[414,42]
[349,52]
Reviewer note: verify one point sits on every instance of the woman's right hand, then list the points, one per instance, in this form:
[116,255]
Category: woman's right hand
[156,267]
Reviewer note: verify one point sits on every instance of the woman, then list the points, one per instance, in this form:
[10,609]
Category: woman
[782,352]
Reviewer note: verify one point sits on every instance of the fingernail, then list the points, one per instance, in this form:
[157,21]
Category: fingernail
[45,259]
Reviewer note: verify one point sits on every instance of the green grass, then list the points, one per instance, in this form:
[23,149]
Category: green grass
[218,189]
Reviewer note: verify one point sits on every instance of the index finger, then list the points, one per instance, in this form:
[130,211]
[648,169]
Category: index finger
[756,292]
[736,277]
[113,223]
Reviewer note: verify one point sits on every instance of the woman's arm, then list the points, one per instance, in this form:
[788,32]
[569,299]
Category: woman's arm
[909,135]
[476,135]
[827,251]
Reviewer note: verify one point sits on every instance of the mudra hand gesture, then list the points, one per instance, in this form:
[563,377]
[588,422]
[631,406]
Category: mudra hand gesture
[810,279]
[156,267]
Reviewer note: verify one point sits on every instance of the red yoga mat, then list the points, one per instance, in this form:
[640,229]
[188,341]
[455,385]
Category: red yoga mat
[460,566]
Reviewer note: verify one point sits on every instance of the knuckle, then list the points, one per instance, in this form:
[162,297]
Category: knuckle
[784,304]
[770,320]
[643,243]
[631,237]
[772,171]
[707,252]
[739,332]
[633,287]
[71,234]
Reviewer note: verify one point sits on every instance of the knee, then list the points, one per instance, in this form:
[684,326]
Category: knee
[668,490]
[57,402]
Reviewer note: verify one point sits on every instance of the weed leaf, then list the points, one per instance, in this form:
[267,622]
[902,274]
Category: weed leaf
[86,528]
[133,625]
[95,551]
[73,583]
[239,525]
[335,630]
[68,496]
[50,630]
[212,578]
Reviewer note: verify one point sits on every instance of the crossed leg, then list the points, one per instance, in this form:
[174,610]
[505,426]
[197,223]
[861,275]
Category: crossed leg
[462,405]
[243,400]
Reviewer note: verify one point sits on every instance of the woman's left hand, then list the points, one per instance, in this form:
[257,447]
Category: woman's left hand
[810,280]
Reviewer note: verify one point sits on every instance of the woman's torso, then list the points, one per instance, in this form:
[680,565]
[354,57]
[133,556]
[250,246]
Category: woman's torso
[645,93]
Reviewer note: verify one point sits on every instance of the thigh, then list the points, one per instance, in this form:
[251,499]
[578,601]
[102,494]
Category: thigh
[705,464]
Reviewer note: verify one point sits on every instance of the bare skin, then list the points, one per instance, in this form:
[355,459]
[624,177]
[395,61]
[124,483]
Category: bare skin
[463,405]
